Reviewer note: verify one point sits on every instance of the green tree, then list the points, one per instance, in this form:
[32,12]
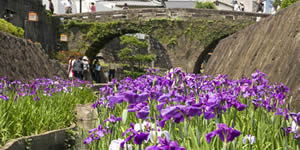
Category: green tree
[286,3]
[133,56]
[276,3]
[283,3]
[205,5]
[11,29]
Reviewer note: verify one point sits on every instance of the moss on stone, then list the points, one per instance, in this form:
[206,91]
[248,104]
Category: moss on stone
[167,31]
[11,29]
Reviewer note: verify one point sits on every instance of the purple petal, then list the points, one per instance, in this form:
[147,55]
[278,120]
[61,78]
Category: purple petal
[209,115]
[154,147]
[139,138]
[240,106]
[233,134]
[115,99]
[131,97]
[143,97]
[88,140]
[142,114]
[160,106]
[210,135]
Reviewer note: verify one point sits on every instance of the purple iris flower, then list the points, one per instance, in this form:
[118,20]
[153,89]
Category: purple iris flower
[164,98]
[36,98]
[88,140]
[143,113]
[209,114]
[286,130]
[194,110]
[138,136]
[296,117]
[174,112]
[284,113]
[163,122]
[213,102]
[225,133]
[257,75]
[160,106]
[257,102]
[4,97]
[141,109]
[97,133]
[115,99]
[132,97]
[295,125]
[112,119]
[164,144]
[240,106]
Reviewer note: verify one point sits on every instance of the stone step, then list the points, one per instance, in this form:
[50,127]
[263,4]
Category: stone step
[97,86]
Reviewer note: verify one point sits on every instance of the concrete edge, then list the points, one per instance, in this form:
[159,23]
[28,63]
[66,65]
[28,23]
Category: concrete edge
[20,143]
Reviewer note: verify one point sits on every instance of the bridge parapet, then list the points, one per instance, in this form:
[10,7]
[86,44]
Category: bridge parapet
[173,13]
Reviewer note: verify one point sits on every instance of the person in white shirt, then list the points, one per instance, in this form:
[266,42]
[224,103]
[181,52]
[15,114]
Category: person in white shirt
[68,6]
[236,6]
[86,68]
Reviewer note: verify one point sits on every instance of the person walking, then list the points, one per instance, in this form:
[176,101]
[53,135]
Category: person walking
[78,68]
[260,6]
[70,67]
[86,68]
[51,6]
[97,71]
[242,6]
[112,70]
[68,6]
[125,6]
[236,6]
[93,7]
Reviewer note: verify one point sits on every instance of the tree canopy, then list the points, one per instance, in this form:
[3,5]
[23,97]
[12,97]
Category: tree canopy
[283,3]
[205,5]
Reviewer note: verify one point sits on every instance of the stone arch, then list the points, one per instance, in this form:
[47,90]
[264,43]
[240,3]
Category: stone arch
[110,50]
[206,54]
[184,40]
[101,41]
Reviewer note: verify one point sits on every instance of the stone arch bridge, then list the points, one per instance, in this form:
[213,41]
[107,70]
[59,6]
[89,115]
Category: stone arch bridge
[187,35]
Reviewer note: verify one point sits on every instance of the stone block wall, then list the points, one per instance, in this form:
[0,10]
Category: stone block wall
[42,31]
[271,46]
[23,60]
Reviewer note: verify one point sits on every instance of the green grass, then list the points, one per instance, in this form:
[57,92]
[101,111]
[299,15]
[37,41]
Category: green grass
[29,117]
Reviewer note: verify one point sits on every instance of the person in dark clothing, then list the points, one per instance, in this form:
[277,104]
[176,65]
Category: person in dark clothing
[112,69]
[125,6]
[242,6]
[260,7]
[51,6]
[78,68]
[97,71]
[86,68]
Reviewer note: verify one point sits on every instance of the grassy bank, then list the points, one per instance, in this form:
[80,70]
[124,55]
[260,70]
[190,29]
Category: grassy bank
[40,106]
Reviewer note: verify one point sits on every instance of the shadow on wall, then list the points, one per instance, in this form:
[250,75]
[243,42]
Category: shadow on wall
[206,54]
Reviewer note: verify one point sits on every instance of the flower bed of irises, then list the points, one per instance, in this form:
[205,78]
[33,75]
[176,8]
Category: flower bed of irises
[180,111]
[38,106]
